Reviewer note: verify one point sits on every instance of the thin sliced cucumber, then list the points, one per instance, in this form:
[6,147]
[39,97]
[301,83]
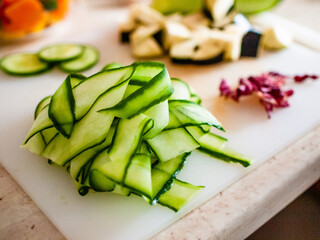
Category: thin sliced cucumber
[179,194]
[181,89]
[112,65]
[156,90]
[88,59]
[23,64]
[76,79]
[87,133]
[138,175]
[78,163]
[225,154]
[41,105]
[192,114]
[61,108]
[60,52]
[172,143]
[124,146]
[160,116]
[163,175]
[49,133]
[36,144]
[124,149]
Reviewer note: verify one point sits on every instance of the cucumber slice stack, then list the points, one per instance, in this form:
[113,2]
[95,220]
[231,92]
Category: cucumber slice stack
[127,129]
[70,58]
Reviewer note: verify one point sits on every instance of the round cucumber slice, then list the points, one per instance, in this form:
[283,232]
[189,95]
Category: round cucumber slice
[88,59]
[60,52]
[23,64]
[254,6]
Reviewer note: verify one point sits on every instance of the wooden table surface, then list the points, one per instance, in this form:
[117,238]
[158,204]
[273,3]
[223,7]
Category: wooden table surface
[21,219]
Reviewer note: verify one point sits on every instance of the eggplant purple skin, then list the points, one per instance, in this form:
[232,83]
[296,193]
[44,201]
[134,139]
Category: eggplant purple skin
[216,59]
[209,61]
[250,44]
[124,37]
[181,60]
[158,36]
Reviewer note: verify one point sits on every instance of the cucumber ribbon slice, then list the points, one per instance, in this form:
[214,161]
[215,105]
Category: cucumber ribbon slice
[123,130]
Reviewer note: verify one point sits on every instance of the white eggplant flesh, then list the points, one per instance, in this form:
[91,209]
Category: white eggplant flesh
[219,8]
[146,15]
[128,25]
[175,32]
[143,32]
[233,48]
[276,37]
[183,50]
[147,48]
[194,20]
[208,50]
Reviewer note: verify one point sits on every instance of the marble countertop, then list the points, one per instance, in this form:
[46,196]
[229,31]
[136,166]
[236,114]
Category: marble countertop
[233,214]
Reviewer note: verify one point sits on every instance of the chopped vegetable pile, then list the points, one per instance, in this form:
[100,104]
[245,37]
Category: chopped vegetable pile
[71,58]
[268,88]
[214,33]
[127,129]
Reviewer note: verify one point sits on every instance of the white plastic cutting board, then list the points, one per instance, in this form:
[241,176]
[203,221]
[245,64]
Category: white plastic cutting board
[106,216]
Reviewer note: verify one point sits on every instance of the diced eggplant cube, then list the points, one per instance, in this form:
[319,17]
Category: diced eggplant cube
[250,44]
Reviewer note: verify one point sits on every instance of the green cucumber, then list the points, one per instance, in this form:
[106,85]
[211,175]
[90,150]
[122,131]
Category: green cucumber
[138,176]
[89,132]
[49,133]
[41,105]
[61,108]
[179,195]
[190,114]
[172,143]
[163,175]
[76,79]
[112,65]
[156,90]
[86,60]
[86,92]
[225,154]
[116,131]
[181,90]
[78,163]
[160,115]
[124,146]
[60,52]
[23,64]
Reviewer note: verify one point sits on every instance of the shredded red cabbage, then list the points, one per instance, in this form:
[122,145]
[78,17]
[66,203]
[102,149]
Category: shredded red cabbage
[302,78]
[267,86]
